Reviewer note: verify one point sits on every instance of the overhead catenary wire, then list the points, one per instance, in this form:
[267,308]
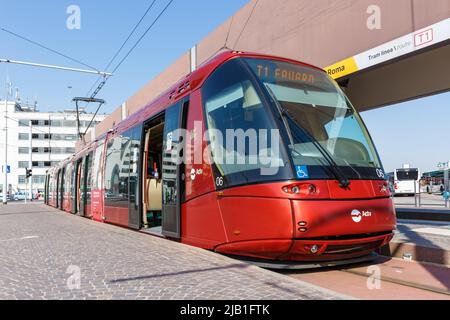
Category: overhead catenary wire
[131,34]
[225,46]
[48,48]
[102,84]
[49,66]
[246,23]
[142,37]
[122,46]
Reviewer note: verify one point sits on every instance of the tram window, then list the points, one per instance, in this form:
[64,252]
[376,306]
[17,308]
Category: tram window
[235,110]
[116,172]
[88,178]
[67,181]
[317,111]
[96,170]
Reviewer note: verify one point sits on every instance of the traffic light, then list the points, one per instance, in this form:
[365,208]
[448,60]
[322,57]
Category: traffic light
[29,173]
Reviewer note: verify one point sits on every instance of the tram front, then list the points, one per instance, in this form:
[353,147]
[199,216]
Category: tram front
[298,174]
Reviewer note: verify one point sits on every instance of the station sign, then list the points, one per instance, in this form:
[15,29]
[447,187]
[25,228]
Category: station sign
[407,44]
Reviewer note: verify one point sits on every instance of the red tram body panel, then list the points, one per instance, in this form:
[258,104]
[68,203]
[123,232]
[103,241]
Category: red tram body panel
[327,201]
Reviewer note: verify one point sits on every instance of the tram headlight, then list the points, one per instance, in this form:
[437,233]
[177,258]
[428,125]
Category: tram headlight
[312,189]
[314,249]
[305,189]
[296,190]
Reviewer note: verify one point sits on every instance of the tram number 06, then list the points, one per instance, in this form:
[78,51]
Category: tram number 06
[380,174]
[219,182]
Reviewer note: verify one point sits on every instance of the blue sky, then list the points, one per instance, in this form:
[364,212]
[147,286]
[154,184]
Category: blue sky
[413,132]
[105,24]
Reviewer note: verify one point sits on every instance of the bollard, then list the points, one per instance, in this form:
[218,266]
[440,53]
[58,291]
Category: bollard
[415,194]
[446,196]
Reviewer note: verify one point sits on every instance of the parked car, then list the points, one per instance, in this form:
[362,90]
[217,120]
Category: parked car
[20,196]
[8,198]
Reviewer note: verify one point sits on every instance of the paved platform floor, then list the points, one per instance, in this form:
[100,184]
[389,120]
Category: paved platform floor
[425,241]
[426,233]
[42,252]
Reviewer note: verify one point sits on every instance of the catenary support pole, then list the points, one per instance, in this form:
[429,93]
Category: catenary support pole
[5,162]
[30,164]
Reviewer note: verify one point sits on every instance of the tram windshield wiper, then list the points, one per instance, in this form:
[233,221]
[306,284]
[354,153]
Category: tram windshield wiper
[332,165]
[334,168]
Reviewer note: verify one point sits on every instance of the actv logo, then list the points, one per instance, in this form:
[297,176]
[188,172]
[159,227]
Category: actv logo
[357,215]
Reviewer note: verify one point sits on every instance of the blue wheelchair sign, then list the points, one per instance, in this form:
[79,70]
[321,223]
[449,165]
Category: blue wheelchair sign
[8,169]
[302,172]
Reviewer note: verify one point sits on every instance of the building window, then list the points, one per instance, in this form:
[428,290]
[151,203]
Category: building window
[23,136]
[24,123]
[23,164]
[70,137]
[38,179]
[56,123]
[23,150]
[70,123]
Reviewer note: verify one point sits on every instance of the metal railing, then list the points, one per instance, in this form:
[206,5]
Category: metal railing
[425,196]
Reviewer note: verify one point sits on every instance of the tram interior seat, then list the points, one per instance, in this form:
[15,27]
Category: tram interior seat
[154,187]
[152,183]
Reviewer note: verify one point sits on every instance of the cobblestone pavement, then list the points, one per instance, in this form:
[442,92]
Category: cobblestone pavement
[42,250]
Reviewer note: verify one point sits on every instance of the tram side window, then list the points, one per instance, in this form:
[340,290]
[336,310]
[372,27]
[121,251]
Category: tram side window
[96,169]
[235,110]
[117,170]
[50,187]
[88,177]
[73,182]
[67,178]
[135,146]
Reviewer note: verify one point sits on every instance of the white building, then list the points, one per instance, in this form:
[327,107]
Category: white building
[53,138]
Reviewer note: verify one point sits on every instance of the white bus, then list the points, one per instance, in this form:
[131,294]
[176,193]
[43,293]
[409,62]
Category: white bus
[407,181]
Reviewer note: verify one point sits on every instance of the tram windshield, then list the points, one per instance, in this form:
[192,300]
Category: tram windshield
[326,135]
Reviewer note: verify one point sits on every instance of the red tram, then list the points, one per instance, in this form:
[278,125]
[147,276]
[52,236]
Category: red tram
[276,165]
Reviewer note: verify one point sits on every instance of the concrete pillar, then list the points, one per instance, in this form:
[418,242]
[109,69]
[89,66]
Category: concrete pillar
[193,55]
[92,131]
[124,111]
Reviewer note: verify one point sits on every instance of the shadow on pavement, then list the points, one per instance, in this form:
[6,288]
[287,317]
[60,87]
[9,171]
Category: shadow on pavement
[170,274]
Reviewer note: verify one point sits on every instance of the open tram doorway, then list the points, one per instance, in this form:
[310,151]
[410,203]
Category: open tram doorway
[163,179]
[152,176]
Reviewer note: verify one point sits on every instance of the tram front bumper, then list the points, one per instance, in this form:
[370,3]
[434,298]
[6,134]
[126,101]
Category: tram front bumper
[307,249]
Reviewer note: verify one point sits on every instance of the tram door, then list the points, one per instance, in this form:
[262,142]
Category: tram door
[62,173]
[134,201]
[74,188]
[173,170]
[85,186]
[57,190]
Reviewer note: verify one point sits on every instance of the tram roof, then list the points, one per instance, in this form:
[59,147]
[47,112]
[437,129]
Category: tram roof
[178,91]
